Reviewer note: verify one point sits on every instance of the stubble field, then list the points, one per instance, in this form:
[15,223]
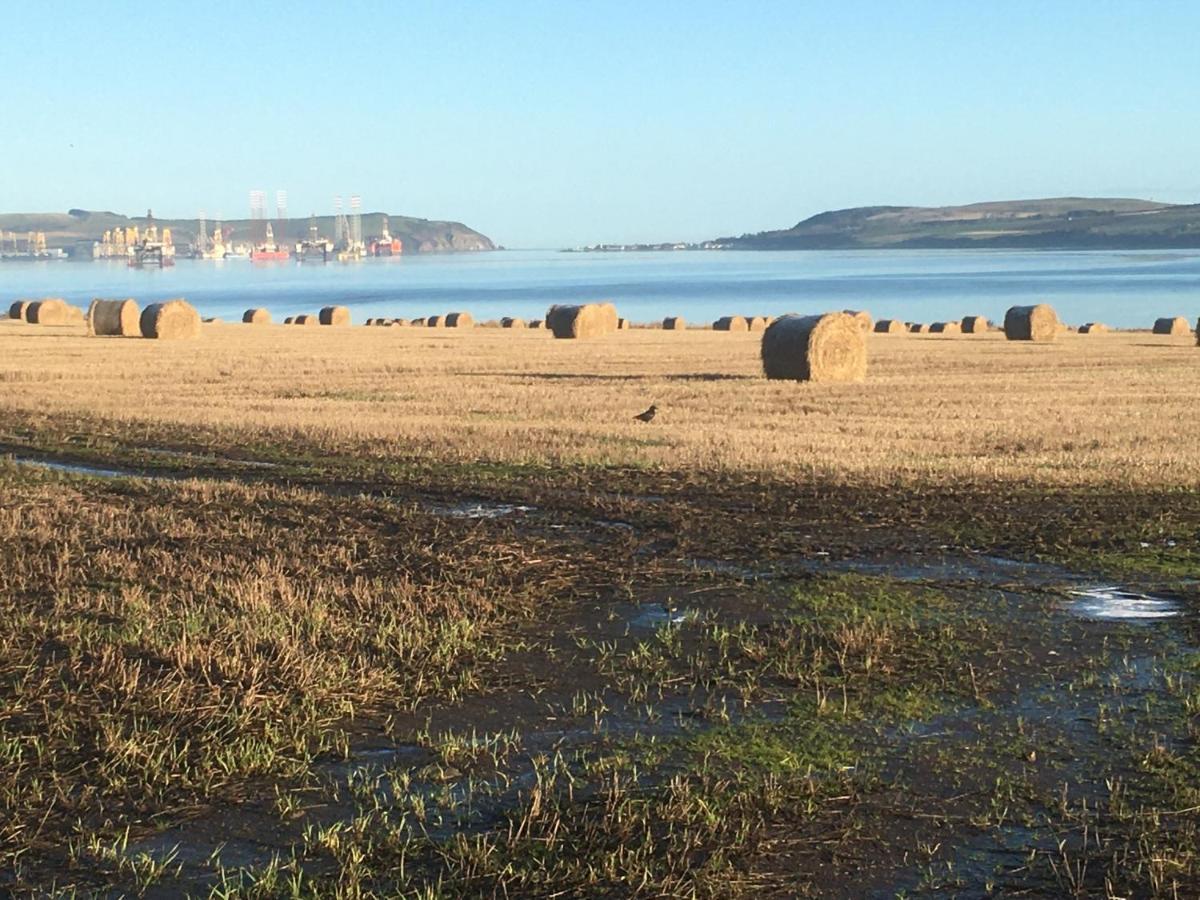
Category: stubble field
[390,611]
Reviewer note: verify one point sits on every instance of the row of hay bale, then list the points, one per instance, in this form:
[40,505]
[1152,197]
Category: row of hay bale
[46,311]
[742,323]
[171,319]
[966,325]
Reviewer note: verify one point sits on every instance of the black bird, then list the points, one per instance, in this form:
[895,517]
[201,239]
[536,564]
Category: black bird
[647,415]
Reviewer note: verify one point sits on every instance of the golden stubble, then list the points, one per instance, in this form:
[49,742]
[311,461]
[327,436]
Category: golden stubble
[1086,409]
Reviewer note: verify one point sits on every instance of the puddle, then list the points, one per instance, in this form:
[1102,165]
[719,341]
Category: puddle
[656,615]
[76,468]
[477,509]
[1110,602]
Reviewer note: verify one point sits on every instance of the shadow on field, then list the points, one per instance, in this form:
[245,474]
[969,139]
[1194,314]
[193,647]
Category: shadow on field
[591,376]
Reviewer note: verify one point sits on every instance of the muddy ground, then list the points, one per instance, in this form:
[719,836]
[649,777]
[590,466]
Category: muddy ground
[685,685]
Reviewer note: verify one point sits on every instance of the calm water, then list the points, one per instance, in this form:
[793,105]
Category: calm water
[1123,289]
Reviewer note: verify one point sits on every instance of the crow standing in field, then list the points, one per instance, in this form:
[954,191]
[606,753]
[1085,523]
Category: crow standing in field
[647,415]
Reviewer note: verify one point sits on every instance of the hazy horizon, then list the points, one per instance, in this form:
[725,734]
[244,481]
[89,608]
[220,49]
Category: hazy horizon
[544,126]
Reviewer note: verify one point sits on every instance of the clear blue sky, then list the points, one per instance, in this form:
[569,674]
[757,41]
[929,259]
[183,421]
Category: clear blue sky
[561,123]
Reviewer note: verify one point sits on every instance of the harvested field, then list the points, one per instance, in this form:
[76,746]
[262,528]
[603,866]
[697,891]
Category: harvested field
[392,389]
[428,614]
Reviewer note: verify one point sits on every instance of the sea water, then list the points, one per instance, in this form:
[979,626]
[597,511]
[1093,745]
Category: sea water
[1124,289]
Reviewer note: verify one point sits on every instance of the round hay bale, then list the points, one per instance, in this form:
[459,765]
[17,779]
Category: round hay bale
[918,328]
[974,325]
[118,318]
[945,328]
[401,322]
[510,322]
[1031,323]
[1093,328]
[306,319]
[890,326]
[19,310]
[214,320]
[622,324]
[50,311]
[830,347]
[865,322]
[256,316]
[459,320]
[418,323]
[369,322]
[434,322]
[756,323]
[290,320]
[334,315]
[172,320]
[674,323]
[1172,325]
[612,321]
[731,323]
[537,323]
[584,321]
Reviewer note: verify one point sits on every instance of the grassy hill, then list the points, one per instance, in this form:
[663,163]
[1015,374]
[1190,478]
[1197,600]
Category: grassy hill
[418,235]
[1057,223]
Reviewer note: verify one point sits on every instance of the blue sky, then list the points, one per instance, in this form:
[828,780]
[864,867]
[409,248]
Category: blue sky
[557,124]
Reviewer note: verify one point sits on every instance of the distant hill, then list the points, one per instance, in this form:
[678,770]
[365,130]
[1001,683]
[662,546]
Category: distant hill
[1068,223]
[418,235]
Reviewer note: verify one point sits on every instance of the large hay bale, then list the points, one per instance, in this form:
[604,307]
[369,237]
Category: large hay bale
[974,325]
[757,323]
[731,323]
[50,311]
[306,319]
[19,310]
[674,323]
[612,321]
[945,328]
[511,322]
[334,315]
[1172,325]
[622,324]
[830,347]
[172,320]
[584,321]
[257,316]
[120,318]
[290,320]
[890,326]
[918,328]
[370,322]
[537,323]
[434,322]
[864,319]
[418,323]
[1031,323]
[1093,328]
[459,320]
[401,322]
